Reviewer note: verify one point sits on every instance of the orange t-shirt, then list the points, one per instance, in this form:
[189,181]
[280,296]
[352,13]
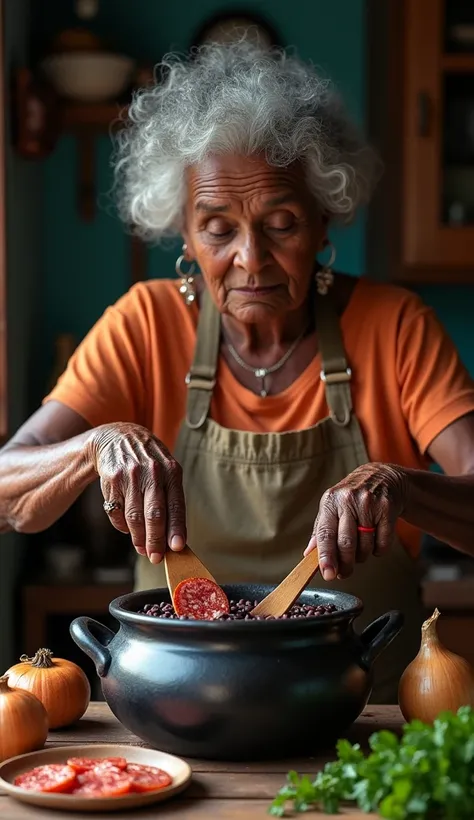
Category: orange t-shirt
[408,382]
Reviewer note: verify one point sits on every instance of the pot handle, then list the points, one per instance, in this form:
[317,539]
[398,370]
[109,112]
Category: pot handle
[93,642]
[379,634]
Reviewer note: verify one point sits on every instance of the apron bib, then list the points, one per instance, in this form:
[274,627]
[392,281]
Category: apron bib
[251,498]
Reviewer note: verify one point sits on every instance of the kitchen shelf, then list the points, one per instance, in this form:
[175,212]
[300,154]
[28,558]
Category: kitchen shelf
[458,63]
[432,275]
[41,118]
[42,601]
[99,117]
[87,122]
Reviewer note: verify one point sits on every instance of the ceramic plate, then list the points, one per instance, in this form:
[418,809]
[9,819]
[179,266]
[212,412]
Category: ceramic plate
[179,770]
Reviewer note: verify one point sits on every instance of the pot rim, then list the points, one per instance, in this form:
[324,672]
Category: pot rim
[118,609]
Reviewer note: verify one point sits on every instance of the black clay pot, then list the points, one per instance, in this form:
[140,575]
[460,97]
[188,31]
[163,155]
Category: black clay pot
[236,689]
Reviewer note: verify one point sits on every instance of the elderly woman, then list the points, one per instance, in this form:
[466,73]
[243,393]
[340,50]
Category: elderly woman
[256,410]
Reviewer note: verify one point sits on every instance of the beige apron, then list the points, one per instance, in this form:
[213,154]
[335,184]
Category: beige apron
[252,498]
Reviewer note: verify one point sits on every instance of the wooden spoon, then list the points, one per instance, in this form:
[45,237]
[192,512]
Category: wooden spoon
[284,596]
[179,566]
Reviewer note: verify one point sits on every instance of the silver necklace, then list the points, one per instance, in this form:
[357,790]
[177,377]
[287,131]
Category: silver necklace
[262,372]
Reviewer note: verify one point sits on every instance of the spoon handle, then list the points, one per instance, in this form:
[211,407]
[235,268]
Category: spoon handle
[179,566]
[284,596]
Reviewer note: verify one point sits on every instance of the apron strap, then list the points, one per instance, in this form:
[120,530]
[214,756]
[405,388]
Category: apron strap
[202,375]
[335,373]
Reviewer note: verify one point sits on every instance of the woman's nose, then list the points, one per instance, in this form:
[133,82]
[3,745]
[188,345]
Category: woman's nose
[252,253]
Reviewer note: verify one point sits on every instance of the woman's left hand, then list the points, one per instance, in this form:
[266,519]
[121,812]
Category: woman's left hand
[372,497]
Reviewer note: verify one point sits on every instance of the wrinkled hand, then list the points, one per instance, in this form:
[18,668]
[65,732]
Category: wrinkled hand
[371,496]
[140,476]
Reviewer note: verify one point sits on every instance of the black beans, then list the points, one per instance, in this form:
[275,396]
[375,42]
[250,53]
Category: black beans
[240,611]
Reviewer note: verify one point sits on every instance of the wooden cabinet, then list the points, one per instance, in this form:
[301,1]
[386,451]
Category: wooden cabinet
[421,93]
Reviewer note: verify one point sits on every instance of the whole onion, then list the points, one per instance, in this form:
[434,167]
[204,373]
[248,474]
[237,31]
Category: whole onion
[437,680]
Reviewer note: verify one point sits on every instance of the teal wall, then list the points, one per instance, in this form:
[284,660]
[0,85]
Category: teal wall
[455,307]
[85,266]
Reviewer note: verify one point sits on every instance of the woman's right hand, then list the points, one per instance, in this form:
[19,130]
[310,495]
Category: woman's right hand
[142,487]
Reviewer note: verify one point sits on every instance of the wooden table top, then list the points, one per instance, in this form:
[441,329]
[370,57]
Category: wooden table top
[221,790]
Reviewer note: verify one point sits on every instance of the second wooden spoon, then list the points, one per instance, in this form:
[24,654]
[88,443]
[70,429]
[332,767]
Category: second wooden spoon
[284,596]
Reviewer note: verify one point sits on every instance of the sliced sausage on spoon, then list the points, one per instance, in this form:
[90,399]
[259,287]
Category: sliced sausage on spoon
[201,599]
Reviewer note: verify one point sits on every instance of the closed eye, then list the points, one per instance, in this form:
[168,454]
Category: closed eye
[220,234]
[282,222]
[219,228]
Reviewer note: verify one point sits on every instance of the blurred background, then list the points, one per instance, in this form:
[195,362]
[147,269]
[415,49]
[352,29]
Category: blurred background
[406,71]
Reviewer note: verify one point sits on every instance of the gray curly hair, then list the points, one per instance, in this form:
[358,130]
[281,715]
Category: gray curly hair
[238,99]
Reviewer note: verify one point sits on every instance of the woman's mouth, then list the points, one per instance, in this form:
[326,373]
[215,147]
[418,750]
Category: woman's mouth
[259,291]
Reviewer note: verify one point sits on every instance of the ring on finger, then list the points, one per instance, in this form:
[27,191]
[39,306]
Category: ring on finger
[369,530]
[111,506]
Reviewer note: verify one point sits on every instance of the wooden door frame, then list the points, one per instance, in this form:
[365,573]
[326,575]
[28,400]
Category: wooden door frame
[3,238]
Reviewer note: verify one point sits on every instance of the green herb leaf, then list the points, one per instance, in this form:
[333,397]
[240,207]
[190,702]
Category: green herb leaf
[427,774]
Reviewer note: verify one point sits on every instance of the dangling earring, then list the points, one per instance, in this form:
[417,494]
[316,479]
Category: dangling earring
[187,288]
[325,277]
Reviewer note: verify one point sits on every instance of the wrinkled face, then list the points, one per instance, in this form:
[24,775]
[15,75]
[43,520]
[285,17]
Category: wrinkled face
[254,230]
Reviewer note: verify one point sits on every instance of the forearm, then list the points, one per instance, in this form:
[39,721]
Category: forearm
[39,483]
[442,506]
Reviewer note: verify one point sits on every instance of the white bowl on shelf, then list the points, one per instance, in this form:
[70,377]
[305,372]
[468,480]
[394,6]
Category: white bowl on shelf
[89,76]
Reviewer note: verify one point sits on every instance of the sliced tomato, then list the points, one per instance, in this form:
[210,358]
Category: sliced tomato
[54,777]
[147,778]
[104,783]
[83,764]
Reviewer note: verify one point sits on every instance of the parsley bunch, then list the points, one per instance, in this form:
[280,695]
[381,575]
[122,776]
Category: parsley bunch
[427,774]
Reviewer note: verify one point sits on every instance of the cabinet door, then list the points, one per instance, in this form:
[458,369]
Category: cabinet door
[438,135]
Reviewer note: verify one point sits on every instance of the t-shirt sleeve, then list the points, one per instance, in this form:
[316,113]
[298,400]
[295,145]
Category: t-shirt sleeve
[435,387]
[106,376]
